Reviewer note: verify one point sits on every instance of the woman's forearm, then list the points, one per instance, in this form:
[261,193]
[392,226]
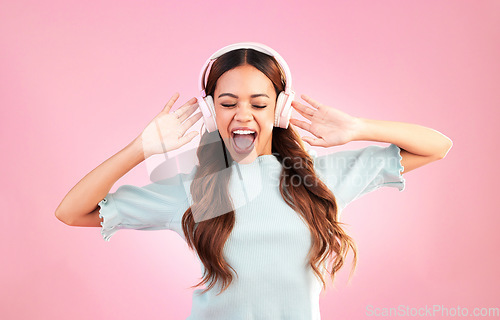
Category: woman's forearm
[88,192]
[411,137]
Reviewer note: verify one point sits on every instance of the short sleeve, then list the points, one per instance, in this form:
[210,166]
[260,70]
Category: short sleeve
[351,174]
[151,207]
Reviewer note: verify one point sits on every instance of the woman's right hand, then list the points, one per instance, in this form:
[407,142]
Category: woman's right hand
[166,131]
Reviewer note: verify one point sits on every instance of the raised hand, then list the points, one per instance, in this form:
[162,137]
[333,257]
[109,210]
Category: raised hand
[331,127]
[166,131]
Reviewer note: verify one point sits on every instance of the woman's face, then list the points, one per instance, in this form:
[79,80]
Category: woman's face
[245,100]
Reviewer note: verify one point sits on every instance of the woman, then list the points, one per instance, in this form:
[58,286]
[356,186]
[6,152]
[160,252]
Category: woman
[259,211]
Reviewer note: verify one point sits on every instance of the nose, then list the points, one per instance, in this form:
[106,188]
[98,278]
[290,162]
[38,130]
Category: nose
[243,113]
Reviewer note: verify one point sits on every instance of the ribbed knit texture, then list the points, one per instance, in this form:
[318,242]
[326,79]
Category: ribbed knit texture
[269,243]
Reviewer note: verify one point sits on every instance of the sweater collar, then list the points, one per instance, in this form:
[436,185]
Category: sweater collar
[265,159]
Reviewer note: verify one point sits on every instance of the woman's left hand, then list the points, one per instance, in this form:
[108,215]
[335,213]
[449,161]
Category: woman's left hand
[330,126]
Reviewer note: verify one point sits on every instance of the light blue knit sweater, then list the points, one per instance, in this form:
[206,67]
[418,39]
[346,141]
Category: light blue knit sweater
[269,243]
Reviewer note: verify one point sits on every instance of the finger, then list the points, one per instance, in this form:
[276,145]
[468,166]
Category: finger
[307,113]
[304,110]
[311,101]
[184,112]
[188,103]
[301,124]
[190,122]
[306,126]
[187,138]
[171,102]
[179,111]
[313,141]
[302,107]
[306,139]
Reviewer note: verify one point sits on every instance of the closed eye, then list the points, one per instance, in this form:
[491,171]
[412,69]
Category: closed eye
[232,105]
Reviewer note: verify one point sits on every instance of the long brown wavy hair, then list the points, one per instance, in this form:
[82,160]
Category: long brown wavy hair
[311,199]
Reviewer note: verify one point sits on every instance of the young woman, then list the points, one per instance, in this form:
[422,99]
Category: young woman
[260,212]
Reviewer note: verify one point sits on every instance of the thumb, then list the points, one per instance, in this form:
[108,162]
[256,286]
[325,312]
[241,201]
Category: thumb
[307,139]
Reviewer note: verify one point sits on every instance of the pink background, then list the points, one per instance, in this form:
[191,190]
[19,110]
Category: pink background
[80,80]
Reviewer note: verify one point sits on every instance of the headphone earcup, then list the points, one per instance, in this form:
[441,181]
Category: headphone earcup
[280,102]
[283,110]
[207,108]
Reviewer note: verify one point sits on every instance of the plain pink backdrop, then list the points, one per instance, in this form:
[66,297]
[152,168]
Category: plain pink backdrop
[80,80]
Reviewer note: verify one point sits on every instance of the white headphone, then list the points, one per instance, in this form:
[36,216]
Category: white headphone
[283,109]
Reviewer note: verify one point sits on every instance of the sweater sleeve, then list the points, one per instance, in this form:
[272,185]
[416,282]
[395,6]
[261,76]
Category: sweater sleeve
[151,207]
[351,174]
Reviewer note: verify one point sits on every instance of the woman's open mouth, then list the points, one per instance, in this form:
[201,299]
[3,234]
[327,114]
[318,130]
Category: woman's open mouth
[243,140]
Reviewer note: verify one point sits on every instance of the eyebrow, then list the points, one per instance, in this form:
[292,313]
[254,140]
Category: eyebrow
[236,97]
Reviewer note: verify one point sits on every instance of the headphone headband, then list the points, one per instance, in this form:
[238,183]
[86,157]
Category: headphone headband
[247,45]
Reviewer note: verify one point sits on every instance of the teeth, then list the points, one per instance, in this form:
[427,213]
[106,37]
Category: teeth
[243,132]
